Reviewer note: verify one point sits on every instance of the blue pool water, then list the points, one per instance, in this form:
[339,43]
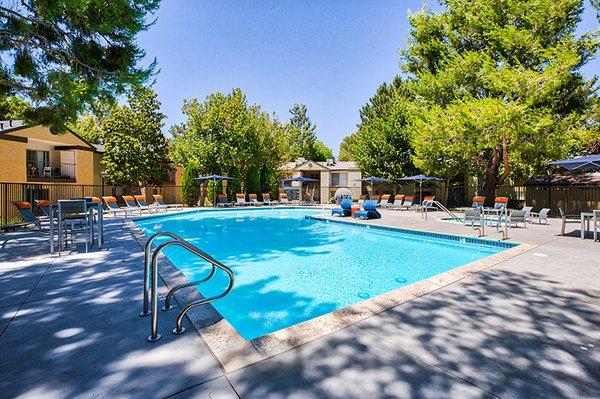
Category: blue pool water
[289,268]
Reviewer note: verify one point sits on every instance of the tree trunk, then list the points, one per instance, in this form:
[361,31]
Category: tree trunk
[492,170]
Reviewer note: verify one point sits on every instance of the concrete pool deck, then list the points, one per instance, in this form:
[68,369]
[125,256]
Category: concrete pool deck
[525,327]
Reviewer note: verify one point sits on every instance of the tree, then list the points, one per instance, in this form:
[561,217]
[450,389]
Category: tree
[498,86]
[321,152]
[135,150]
[303,137]
[190,188]
[62,55]
[382,145]
[225,135]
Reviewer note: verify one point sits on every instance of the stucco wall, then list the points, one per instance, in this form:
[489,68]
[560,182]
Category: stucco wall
[13,168]
[85,167]
[43,133]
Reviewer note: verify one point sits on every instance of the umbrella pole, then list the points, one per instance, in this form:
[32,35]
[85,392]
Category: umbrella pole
[214,193]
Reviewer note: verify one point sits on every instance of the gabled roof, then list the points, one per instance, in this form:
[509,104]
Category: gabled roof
[565,179]
[312,165]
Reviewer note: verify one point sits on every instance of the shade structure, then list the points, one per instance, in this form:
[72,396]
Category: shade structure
[302,180]
[214,178]
[588,162]
[421,179]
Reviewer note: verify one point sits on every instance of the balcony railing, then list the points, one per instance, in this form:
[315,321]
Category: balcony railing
[39,170]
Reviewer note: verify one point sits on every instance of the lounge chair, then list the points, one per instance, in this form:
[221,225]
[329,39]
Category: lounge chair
[26,214]
[472,216]
[45,206]
[113,208]
[566,219]
[398,199]
[501,203]
[362,198]
[283,198]
[141,201]
[541,215]
[345,208]
[427,203]
[160,201]
[369,211]
[527,210]
[478,201]
[266,197]
[240,200]
[384,201]
[517,217]
[222,201]
[132,205]
[408,202]
[254,200]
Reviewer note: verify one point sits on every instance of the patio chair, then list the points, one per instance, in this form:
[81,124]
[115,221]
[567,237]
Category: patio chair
[254,200]
[240,200]
[398,199]
[517,217]
[74,216]
[44,205]
[113,208]
[345,208]
[408,202]
[266,197]
[541,215]
[472,216]
[283,198]
[596,222]
[478,201]
[132,205]
[222,201]
[160,201]
[384,201]
[369,211]
[527,210]
[427,203]
[141,201]
[362,198]
[566,219]
[26,214]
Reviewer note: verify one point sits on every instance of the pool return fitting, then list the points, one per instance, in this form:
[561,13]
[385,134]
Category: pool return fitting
[151,282]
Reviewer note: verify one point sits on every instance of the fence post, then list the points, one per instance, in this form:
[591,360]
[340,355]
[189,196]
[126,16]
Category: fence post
[5,203]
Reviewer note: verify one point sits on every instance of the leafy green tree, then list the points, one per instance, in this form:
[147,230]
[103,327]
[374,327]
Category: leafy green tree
[224,134]
[135,150]
[62,55]
[382,144]
[13,108]
[190,188]
[498,86]
[321,152]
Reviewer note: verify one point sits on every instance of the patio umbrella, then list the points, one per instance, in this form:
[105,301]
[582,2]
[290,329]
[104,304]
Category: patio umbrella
[215,179]
[579,163]
[420,179]
[301,179]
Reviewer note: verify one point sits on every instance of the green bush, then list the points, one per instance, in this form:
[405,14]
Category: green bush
[268,182]
[190,189]
[234,186]
[253,181]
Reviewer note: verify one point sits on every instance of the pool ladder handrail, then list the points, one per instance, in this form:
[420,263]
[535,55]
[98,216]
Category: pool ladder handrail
[440,206]
[151,268]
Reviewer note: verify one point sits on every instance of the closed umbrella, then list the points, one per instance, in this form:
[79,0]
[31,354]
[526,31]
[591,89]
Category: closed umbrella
[421,179]
[215,179]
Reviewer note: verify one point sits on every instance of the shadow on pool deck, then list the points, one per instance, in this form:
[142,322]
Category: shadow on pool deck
[525,328]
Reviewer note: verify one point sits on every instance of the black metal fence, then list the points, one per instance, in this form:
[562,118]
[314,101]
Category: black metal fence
[35,191]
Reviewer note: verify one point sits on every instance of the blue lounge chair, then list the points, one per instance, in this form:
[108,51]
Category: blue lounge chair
[345,210]
[26,214]
[369,211]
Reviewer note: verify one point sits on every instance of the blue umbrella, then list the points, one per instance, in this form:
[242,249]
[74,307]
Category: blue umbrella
[579,163]
[420,179]
[214,179]
[374,179]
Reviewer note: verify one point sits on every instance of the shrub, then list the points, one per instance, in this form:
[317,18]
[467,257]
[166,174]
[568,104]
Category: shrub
[190,189]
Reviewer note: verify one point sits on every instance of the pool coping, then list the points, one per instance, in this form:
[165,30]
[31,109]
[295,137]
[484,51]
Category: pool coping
[234,352]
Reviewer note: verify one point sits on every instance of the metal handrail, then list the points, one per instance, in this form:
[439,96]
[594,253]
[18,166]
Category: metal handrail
[176,288]
[154,335]
[147,252]
[439,205]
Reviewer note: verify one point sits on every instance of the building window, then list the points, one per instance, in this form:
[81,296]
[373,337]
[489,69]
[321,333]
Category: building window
[339,179]
[36,162]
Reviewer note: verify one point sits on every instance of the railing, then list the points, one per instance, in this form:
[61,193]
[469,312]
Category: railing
[54,191]
[41,170]
[151,293]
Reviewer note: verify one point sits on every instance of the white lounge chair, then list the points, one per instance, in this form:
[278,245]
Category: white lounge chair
[113,208]
[398,200]
[541,215]
[384,201]
[408,202]
[517,217]
[240,200]
[159,200]
[254,200]
[283,198]
[527,210]
[596,222]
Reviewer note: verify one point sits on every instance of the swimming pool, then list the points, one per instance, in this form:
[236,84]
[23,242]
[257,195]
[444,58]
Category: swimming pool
[290,268]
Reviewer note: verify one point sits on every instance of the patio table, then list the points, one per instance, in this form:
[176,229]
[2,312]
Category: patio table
[585,216]
[99,225]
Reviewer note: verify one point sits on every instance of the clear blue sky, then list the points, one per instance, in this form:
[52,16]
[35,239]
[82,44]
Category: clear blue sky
[329,54]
